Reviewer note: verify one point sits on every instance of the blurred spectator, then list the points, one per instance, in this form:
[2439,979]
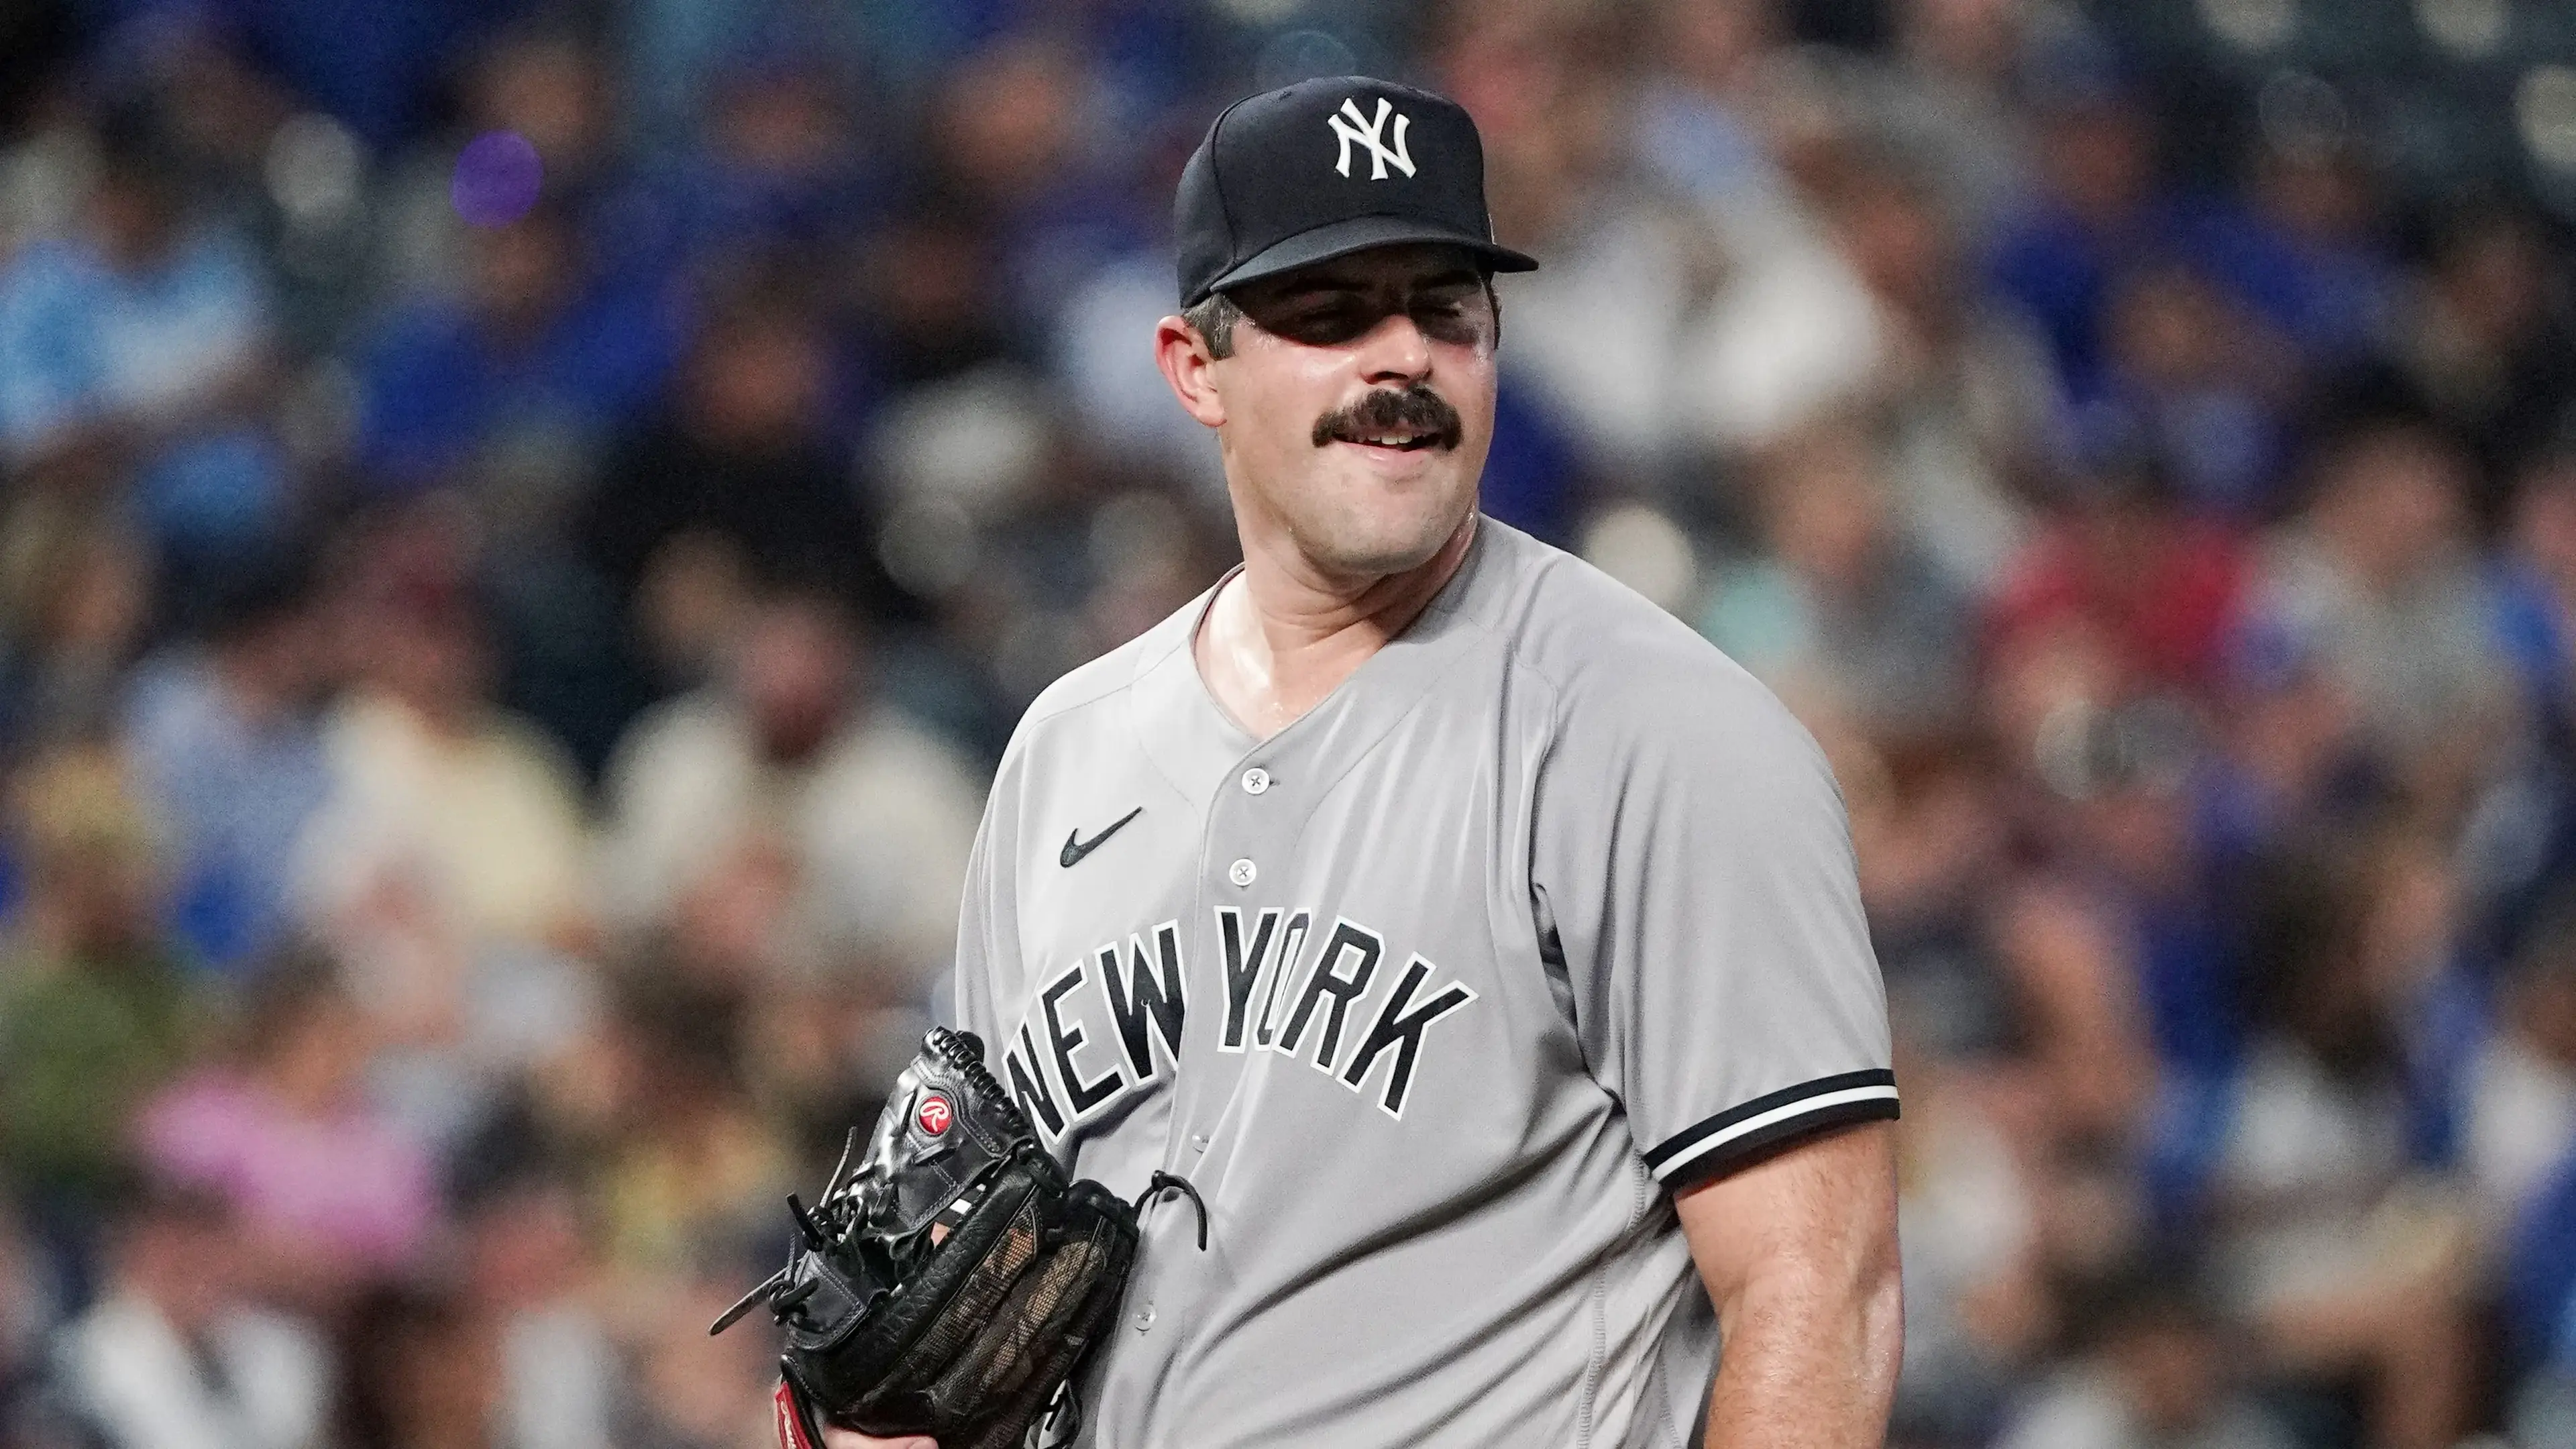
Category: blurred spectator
[81,619]
[735,480]
[531,1266]
[2156,1373]
[507,386]
[29,1317]
[1700,125]
[2163,590]
[1845,613]
[95,1012]
[789,760]
[926,287]
[2490,343]
[1934,845]
[1954,92]
[2376,577]
[547,84]
[2536,599]
[449,821]
[448,866]
[2342,1259]
[222,736]
[1011,135]
[1976,1308]
[2336,287]
[702,1394]
[2116,939]
[2098,201]
[2201,378]
[781,162]
[330,1196]
[1651,333]
[698,1171]
[420,1370]
[134,357]
[2517,1096]
[1972,402]
[175,1355]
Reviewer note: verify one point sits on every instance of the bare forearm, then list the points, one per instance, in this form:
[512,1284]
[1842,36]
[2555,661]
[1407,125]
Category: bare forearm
[1804,1369]
[1799,1254]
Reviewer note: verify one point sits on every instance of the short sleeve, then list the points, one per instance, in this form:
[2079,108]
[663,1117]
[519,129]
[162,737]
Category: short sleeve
[1691,865]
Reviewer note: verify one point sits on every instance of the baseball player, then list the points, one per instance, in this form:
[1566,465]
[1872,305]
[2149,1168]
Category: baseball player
[1481,946]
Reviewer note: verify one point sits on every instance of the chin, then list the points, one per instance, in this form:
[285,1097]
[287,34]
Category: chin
[1377,546]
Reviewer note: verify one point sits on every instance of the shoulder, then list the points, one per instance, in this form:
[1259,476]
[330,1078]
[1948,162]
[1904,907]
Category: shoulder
[1618,666]
[1082,703]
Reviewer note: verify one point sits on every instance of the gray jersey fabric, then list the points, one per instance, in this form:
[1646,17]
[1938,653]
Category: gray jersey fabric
[1435,996]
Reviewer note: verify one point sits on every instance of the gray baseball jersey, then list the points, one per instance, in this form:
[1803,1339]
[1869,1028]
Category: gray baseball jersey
[1435,996]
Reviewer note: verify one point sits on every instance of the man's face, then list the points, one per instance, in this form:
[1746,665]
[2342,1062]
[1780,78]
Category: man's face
[1357,406]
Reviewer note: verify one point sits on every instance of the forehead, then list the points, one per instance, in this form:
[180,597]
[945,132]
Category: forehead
[1405,267]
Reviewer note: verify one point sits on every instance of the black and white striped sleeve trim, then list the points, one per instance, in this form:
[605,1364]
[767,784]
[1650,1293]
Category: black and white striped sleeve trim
[1711,1148]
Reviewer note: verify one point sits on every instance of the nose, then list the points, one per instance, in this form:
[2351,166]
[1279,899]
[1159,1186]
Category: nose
[1395,351]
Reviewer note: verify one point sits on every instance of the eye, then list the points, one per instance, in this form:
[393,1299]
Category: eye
[1452,319]
[1325,325]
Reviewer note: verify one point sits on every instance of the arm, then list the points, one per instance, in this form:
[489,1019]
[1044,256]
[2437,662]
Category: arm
[1799,1254]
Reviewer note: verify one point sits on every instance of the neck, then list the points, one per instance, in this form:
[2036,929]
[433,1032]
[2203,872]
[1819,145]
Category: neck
[1285,633]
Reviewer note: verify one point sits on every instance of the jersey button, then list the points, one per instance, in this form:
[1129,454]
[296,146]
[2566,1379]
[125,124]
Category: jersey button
[1256,780]
[1144,1318]
[1242,872]
[1198,1142]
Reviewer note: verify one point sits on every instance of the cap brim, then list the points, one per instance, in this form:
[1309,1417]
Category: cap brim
[1359,234]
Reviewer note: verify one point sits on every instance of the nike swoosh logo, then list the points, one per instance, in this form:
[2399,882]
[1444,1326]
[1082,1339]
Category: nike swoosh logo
[1075,847]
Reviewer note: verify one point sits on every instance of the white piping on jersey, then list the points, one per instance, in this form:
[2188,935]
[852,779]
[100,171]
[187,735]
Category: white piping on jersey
[1799,1108]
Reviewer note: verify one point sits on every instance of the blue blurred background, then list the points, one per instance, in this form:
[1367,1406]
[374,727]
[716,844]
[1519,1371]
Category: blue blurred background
[523,527]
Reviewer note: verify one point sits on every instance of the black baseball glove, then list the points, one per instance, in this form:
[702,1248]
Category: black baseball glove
[951,1285]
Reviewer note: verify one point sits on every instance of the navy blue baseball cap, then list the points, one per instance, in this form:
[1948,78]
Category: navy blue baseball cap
[1324,168]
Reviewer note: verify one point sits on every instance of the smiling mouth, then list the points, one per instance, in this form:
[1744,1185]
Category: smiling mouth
[1406,420]
[1398,442]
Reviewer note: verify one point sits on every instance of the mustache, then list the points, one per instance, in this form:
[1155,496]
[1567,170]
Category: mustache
[1415,408]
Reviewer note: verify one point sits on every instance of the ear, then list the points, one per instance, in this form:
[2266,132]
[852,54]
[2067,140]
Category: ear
[1183,356]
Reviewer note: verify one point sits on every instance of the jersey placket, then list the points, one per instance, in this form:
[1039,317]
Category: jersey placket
[1253,856]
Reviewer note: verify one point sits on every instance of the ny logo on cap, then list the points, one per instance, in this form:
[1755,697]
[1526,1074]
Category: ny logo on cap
[1369,132]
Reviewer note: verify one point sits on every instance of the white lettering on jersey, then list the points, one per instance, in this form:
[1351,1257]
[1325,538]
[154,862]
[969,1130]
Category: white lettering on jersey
[1139,998]
[1146,1001]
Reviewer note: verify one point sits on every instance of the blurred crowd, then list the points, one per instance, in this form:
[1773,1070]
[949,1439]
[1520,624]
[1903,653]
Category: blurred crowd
[525,523]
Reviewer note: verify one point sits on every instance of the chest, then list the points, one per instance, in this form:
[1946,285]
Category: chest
[1335,938]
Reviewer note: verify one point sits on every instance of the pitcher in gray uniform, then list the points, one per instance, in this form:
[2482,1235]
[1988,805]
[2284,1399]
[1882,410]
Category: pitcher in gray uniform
[1482,946]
